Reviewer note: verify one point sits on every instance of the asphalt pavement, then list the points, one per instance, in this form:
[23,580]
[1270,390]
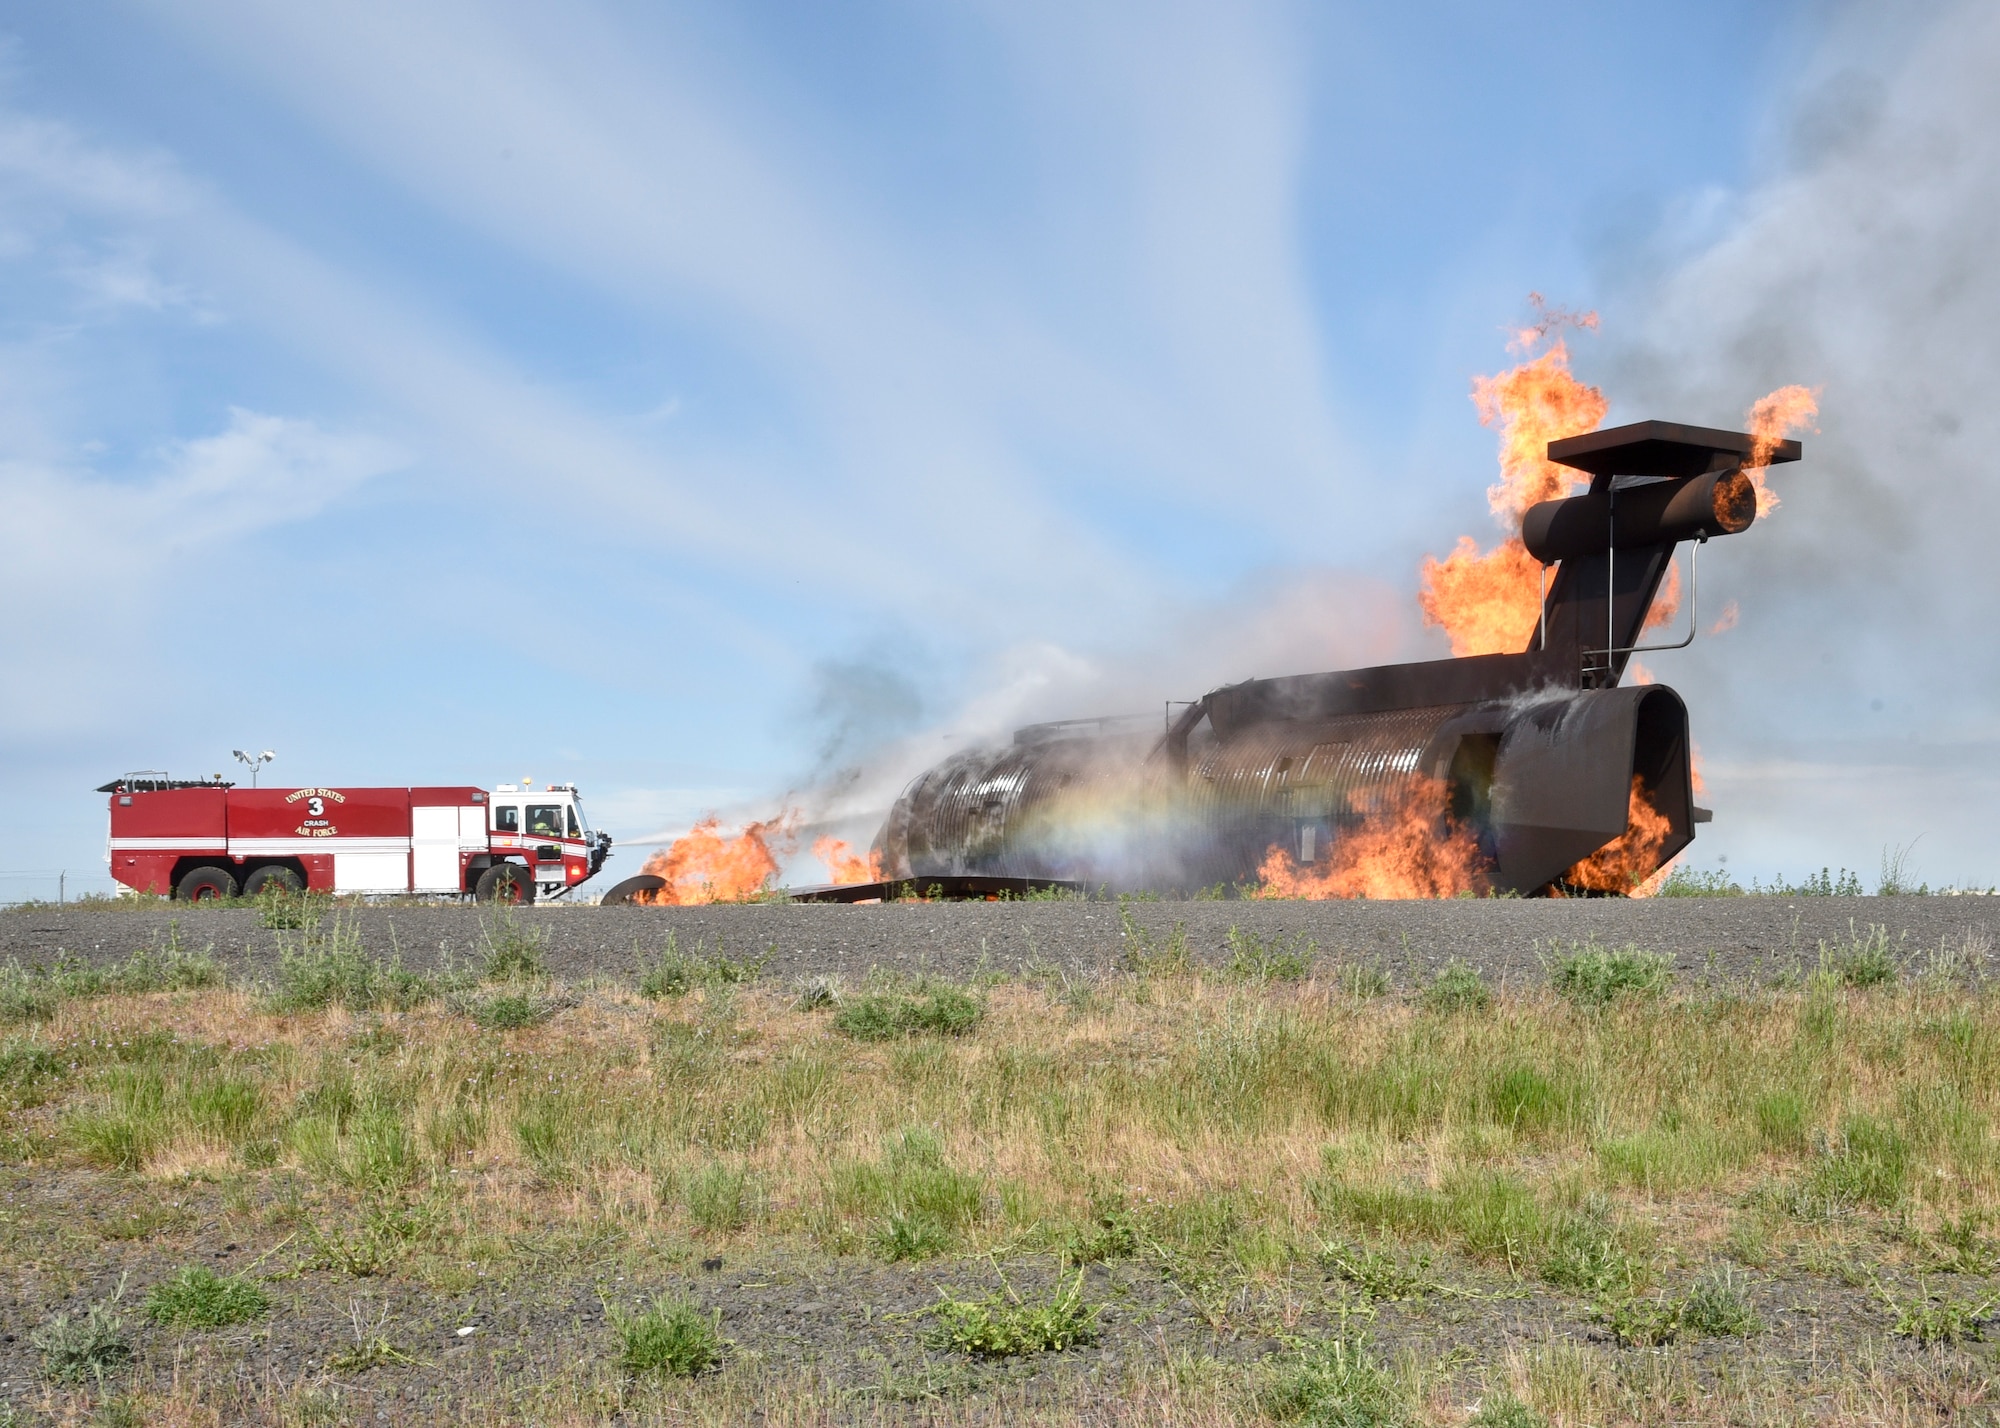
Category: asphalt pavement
[1508,939]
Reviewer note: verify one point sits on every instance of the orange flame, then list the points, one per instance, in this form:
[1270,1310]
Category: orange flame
[845,864]
[1726,621]
[1532,405]
[704,866]
[1489,603]
[1772,419]
[1630,863]
[1409,847]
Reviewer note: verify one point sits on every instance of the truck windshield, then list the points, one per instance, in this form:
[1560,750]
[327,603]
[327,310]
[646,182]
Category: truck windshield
[545,820]
[575,824]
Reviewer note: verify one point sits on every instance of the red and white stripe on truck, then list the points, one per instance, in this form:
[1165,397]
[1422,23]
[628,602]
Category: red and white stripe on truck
[205,839]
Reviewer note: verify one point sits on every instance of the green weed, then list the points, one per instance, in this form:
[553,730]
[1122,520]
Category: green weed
[512,1010]
[1337,1383]
[1684,881]
[1583,1253]
[1719,1306]
[1280,958]
[1144,953]
[1824,883]
[380,1243]
[1749,1243]
[1502,1409]
[816,993]
[1959,1247]
[1380,1274]
[1896,880]
[291,911]
[924,1202]
[1781,1118]
[871,1018]
[197,1297]
[1867,959]
[34,993]
[29,1072]
[1641,1323]
[1595,976]
[670,1338]
[1492,1216]
[674,973]
[372,1346]
[85,1350]
[1458,988]
[1361,980]
[944,1011]
[163,1092]
[368,1146]
[26,994]
[513,953]
[908,1235]
[1867,1163]
[722,1198]
[1111,1232]
[328,967]
[1937,1319]
[1003,1325]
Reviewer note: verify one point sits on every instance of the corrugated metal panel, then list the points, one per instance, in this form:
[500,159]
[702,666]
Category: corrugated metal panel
[1039,809]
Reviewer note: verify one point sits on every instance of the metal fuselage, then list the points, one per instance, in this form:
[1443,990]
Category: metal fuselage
[1538,750]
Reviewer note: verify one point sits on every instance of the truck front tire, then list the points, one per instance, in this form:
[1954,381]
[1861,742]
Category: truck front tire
[206,885]
[505,882]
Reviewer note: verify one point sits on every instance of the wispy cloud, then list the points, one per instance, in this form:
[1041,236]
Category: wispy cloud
[114,566]
[935,382]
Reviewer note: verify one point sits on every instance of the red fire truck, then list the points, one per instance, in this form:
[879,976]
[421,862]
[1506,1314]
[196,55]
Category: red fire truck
[205,838]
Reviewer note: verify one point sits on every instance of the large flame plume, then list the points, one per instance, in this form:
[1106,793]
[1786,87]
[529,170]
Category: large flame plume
[1488,602]
[1409,846]
[705,865]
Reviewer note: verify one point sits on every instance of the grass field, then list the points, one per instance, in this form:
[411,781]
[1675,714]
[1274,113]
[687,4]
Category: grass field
[1264,1191]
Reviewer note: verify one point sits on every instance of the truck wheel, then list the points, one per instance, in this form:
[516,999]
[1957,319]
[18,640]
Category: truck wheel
[206,885]
[505,882]
[271,879]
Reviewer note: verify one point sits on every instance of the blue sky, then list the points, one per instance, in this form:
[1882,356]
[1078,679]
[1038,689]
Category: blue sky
[694,400]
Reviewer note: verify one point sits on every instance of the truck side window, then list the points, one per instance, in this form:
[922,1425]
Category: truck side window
[545,820]
[575,828]
[506,818]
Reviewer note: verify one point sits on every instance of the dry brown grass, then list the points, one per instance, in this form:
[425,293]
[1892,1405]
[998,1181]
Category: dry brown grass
[1193,1088]
[1234,1125]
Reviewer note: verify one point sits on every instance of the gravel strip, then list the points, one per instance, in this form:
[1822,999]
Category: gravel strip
[1746,937]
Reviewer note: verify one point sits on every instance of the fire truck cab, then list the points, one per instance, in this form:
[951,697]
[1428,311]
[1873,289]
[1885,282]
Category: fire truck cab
[206,838]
